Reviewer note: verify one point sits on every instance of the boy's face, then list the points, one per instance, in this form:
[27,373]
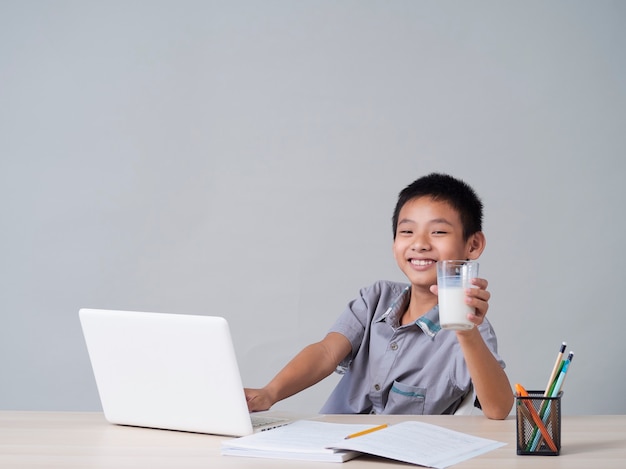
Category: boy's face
[428,231]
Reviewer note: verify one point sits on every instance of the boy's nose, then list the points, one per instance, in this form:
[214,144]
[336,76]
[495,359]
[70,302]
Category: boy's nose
[419,245]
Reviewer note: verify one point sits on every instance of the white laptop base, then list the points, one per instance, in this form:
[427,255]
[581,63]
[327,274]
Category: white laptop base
[168,371]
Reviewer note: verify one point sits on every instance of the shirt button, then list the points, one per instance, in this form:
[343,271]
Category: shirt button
[377,387]
[394,346]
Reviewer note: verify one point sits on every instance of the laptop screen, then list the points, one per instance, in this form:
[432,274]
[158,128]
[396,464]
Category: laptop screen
[169,371]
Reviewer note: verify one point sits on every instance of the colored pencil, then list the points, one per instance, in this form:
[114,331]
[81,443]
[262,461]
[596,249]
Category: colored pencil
[555,390]
[538,422]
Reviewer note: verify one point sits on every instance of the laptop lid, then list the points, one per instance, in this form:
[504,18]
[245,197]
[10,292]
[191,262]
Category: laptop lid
[169,371]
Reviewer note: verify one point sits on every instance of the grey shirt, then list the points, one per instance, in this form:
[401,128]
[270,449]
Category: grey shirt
[417,368]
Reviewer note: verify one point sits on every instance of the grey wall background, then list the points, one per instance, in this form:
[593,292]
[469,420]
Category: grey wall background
[243,158]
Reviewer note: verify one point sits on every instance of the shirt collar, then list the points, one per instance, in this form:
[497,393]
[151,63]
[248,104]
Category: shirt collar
[429,322]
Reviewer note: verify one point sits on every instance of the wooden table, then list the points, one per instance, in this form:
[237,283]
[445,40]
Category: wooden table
[85,440]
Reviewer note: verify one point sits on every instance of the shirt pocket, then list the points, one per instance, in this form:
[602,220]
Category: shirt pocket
[405,399]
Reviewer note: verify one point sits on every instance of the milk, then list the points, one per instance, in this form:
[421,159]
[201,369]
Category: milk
[453,278]
[452,309]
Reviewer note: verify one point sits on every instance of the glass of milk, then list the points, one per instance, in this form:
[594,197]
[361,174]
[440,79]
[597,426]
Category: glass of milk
[453,277]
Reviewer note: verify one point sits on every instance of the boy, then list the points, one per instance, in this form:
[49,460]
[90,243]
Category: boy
[388,343]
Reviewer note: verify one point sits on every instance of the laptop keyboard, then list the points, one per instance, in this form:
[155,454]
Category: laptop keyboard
[271,422]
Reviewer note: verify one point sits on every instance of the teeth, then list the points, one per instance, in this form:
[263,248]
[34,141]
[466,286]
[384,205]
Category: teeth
[421,262]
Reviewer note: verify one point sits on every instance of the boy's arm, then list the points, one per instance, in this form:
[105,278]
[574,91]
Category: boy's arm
[314,363]
[489,379]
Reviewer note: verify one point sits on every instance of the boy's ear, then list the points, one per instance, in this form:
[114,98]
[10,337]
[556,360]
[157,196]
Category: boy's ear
[476,245]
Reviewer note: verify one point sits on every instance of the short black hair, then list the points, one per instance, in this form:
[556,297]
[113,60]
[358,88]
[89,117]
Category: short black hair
[445,188]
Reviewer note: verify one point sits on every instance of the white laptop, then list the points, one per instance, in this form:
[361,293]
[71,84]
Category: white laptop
[168,371]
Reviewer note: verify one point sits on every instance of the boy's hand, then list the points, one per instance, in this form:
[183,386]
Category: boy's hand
[257,399]
[477,297]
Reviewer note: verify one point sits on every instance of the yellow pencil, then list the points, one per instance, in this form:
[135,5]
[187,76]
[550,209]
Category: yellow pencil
[365,432]
[555,370]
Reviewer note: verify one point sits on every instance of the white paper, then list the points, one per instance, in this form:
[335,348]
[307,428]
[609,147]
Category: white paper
[411,441]
[420,443]
[303,439]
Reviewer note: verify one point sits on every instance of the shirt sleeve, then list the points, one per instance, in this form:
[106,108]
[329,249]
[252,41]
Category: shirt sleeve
[351,324]
[356,319]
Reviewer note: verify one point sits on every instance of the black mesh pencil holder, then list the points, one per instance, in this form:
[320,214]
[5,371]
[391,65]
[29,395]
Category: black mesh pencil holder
[538,424]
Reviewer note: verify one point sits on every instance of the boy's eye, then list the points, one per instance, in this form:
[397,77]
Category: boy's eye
[406,232]
[439,232]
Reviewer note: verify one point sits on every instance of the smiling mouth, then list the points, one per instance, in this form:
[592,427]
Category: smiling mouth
[422,262]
